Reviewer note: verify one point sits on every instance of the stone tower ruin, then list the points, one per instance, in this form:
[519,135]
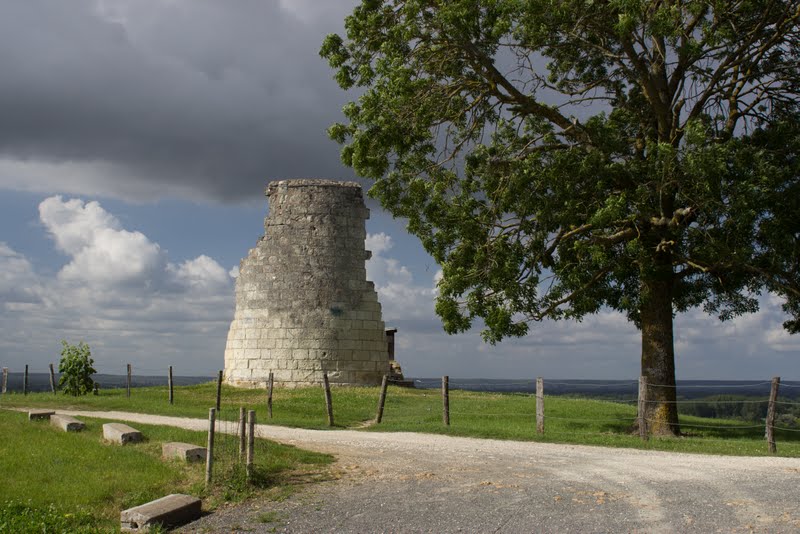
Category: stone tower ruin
[303,302]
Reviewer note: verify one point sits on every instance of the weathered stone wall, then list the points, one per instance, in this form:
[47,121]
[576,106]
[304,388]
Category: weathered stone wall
[303,302]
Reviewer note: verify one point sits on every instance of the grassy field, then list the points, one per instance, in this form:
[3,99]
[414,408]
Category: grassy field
[74,482]
[486,415]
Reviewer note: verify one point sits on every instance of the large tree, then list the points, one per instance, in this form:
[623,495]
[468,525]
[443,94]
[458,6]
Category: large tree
[559,156]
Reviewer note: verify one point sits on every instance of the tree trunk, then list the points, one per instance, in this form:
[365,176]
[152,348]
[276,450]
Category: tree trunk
[658,354]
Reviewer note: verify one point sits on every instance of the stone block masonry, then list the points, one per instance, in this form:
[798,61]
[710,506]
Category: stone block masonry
[304,306]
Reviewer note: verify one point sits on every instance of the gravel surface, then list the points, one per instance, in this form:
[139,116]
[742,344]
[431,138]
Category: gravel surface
[406,482]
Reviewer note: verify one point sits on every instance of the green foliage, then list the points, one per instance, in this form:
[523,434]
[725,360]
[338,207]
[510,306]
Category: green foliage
[560,156]
[76,369]
[673,151]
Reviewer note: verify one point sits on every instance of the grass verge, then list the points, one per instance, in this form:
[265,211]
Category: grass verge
[74,482]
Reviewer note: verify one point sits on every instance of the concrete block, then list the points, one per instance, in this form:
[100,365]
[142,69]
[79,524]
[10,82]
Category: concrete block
[66,423]
[120,433]
[40,414]
[183,451]
[170,511]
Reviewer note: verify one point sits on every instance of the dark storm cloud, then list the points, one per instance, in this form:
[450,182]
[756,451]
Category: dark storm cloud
[204,96]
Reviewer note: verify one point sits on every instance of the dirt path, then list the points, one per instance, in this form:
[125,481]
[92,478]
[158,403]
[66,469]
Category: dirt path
[406,482]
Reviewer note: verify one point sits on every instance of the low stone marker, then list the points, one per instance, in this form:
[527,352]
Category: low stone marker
[40,414]
[183,451]
[66,423]
[170,511]
[119,433]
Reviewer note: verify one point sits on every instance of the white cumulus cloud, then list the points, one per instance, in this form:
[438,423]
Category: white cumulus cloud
[101,251]
[119,292]
[18,283]
[202,273]
[400,295]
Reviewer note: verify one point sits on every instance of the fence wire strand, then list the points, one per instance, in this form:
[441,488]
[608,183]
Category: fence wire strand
[710,385]
[592,384]
[605,420]
[722,427]
[702,401]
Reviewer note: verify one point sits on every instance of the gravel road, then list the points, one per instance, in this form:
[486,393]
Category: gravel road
[406,482]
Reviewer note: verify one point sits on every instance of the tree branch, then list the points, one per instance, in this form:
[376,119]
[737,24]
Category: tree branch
[554,306]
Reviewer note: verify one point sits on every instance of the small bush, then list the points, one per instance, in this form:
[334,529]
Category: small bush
[76,369]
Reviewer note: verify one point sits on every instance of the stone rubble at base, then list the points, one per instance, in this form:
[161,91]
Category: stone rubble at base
[304,306]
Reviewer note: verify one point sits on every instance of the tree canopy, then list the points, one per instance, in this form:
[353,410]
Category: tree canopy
[559,156]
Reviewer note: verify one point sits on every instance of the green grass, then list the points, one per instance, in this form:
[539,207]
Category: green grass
[74,482]
[569,420]
[23,517]
[478,414]
[303,407]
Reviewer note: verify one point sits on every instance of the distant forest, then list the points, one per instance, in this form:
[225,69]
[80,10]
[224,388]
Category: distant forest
[742,407]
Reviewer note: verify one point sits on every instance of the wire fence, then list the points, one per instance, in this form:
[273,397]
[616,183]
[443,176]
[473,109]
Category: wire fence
[744,408]
[231,455]
[743,416]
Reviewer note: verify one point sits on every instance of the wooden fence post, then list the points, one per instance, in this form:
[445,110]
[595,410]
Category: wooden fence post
[129,382]
[328,403]
[52,379]
[539,405]
[169,379]
[242,433]
[382,398]
[642,408]
[219,389]
[5,380]
[446,400]
[773,397]
[251,441]
[270,382]
[212,413]
[25,382]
